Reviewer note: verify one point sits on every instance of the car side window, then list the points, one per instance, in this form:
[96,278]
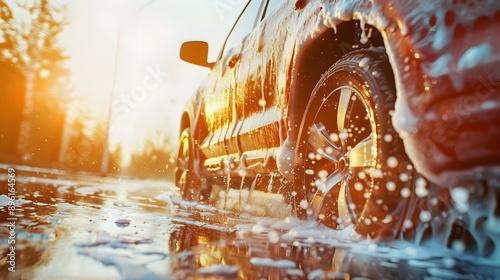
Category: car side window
[271,6]
[247,21]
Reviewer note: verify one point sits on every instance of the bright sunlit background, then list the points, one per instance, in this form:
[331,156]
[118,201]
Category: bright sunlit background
[79,76]
[115,45]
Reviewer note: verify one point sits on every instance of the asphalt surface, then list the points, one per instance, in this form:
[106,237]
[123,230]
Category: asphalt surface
[75,226]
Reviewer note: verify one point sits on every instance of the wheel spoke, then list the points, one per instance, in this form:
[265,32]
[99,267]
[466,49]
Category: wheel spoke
[328,185]
[343,210]
[182,164]
[333,180]
[343,108]
[361,155]
[320,140]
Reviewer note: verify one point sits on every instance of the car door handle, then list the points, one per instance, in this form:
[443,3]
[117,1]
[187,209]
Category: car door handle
[233,60]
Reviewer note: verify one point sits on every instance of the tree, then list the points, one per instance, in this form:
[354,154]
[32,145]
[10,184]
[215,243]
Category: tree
[115,161]
[153,160]
[8,33]
[29,44]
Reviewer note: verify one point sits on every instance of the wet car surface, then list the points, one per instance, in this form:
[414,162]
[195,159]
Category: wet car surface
[80,227]
[353,110]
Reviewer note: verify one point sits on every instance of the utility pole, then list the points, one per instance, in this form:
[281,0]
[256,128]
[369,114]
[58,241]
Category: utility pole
[105,149]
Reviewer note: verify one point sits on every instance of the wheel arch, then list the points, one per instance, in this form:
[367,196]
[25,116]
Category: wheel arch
[185,122]
[317,57]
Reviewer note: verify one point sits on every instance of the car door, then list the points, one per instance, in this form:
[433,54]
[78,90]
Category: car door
[256,97]
[224,86]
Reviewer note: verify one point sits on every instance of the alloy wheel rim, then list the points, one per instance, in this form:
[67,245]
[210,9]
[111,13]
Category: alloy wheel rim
[182,164]
[340,157]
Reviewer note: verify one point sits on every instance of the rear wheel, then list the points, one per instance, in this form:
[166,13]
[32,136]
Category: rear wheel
[185,177]
[351,159]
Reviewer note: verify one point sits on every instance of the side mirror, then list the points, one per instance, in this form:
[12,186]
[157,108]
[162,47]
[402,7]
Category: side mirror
[196,52]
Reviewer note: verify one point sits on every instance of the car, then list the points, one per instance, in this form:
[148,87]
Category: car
[381,115]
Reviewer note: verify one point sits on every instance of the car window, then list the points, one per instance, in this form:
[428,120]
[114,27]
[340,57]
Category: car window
[247,21]
[271,6]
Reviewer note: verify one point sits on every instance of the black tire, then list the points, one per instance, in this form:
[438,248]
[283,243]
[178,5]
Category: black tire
[349,156]
[190,185]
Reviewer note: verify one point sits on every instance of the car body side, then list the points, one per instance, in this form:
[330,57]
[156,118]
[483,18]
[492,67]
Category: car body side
[248,111]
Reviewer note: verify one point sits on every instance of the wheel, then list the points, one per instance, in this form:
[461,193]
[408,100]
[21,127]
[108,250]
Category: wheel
[185,177]
[352,168]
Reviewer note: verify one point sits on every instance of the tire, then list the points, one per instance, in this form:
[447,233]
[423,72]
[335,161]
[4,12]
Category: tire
[352,168]
[190,185]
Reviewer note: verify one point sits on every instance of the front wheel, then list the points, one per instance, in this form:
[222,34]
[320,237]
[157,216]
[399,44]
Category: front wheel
[185,177]
[351,160]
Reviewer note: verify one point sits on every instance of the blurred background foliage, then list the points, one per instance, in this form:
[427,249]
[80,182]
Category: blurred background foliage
[36,102]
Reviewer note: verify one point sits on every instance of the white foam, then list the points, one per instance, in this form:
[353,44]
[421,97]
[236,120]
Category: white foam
[474,56]
[268,262]
[219,270]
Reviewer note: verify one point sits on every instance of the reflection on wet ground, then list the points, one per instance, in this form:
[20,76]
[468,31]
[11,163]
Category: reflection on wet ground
[77,227]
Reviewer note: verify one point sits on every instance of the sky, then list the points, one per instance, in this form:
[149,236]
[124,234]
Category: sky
[127,52]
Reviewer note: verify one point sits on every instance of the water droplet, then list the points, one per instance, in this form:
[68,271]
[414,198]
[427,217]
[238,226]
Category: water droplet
[262,102]
[377,173]
[387,219]
[404,177]
[388,138]
[407,224]
[449,262]
[421,187]
[362,175]
[392,162]
[460,197]
[425,216]
[329,150]
[458,245]
[364,62]
[358,186]
[304,204]
[257,229]
[323,174]
[310,172]
[334,137]
[344,135]
[434,201]
[391,186]
[405,192]
[273,237]
[320,184]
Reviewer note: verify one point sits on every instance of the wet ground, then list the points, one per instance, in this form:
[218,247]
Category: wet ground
[81,227]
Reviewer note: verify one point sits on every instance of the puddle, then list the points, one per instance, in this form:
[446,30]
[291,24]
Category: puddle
[132,230]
